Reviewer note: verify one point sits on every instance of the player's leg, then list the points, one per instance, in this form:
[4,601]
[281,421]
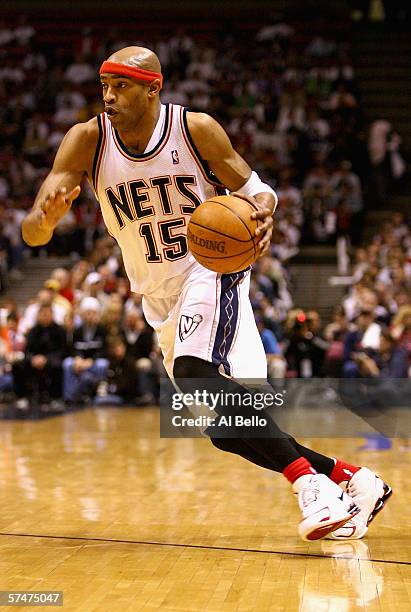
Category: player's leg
[336,469]
[208,316]
[364,487]
[324,506]
[207,322]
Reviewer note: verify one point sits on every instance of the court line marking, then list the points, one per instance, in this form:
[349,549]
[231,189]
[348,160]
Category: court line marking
[201,547]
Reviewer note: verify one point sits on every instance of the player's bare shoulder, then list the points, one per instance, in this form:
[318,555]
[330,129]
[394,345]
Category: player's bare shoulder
[201,124]
[208,135]
[79,145]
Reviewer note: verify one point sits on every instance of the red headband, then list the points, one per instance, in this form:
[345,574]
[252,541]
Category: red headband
[130,71]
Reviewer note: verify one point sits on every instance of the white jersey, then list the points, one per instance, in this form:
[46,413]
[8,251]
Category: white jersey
[147,200]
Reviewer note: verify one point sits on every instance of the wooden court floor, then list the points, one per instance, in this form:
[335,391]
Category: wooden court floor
[96,505]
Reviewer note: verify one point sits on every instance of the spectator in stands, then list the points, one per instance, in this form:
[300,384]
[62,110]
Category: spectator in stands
[386,161]
[401,328]
[6,34]
[341,99]
[24,32]
[306,348]
[11,351]
[292,108]
[34,60]
[388,361]
[360,298]
[320,47]
[133,302]
[274,29]
[335,334]
[120,385]
[323,208]
[364,338]
[80,71]
[399,225]
[111,318]
[370,302]
[289,197]
[270,281]
[78,275]
[5,249]
[276,364]
[318,131]
[69,326]
[87,365]
[13,341]
[316,178]
[386,306]
[53,285]
[394,274]
[108,278]
[36,138]
[67,114]
[63,277]
[344,183]
[137,335]
[64,241]
[6,376]
[8,306]
[45,297]
[93,286]
[10,221]
[139,339]
[70,96]
[39,374]
[361,264]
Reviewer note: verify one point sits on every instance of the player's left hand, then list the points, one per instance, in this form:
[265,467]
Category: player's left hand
[265,229]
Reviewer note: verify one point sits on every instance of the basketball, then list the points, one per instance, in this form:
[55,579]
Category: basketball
[221,234]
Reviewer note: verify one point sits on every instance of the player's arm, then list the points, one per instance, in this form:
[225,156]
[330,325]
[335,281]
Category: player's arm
[62,185]
[233,171]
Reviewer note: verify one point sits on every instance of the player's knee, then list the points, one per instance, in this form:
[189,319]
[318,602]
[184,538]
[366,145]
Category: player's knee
[188,366]
[184,367]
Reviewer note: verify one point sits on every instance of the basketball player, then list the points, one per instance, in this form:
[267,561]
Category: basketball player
[150,165]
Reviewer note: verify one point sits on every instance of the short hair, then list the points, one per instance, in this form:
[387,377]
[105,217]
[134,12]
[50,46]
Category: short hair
[44,306]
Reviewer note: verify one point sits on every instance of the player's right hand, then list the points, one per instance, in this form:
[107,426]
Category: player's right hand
[55,205]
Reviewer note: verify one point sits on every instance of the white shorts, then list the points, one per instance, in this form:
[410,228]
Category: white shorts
[212,319]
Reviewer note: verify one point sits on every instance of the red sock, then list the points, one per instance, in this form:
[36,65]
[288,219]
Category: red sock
[299,467]
[343,471]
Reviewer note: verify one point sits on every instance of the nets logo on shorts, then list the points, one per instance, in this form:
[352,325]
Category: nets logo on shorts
[188,325]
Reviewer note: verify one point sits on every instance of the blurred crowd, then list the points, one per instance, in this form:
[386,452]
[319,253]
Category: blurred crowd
[370,331]
[84,339]
[291,107]
[288,102]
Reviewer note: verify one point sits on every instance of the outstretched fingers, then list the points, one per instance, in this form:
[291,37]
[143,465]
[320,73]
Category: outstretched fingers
[74,193]
[60,199]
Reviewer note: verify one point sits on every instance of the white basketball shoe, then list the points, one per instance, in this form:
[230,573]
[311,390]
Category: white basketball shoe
[324,506]
[369,493]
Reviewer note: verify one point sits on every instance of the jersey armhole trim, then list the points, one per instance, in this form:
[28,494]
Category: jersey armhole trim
[99,150]
[203,165]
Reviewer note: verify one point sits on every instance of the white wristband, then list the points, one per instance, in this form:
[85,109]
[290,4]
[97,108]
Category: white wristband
[255,185]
